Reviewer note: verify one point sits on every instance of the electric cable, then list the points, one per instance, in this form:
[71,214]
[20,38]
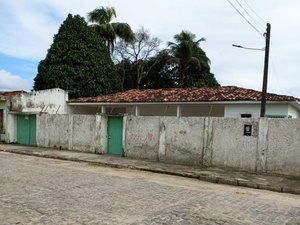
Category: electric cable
[250,16]
[241,14]
[261,19]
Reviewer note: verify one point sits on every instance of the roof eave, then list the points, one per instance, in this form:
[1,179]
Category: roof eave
[180,103]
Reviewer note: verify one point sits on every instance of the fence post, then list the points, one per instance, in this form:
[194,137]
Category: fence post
[207,142]
[262,145]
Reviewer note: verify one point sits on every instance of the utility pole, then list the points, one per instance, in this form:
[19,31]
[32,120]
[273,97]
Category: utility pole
[266,68]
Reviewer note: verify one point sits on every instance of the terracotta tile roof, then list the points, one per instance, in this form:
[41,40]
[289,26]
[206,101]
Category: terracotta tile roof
[226,93]
[7,93]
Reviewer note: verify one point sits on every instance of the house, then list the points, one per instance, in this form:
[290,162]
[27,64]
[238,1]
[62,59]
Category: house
[21,119]
[5,101]
[227,101]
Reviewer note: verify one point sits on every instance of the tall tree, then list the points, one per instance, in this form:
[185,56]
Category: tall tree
[188,55]
[77,61]
[137,54]
[101,18]
[163,73]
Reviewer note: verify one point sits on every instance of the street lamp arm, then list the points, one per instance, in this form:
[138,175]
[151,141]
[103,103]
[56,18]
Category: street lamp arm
[255,49]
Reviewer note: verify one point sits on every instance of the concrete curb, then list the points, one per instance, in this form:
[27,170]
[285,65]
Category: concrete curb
[216,178]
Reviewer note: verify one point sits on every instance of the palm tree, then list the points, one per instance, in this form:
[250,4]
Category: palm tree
[101,19]
[187,55]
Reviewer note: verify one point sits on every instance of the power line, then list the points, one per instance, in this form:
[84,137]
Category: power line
[250,16]
[261,19]
[241,14]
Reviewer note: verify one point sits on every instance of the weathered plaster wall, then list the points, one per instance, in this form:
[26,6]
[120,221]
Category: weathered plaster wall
[53,131]
[83,133]
[229,145]
[11,129]
[183,139]
[193,141]
[283,152]
[74,132]
[142,137]
[52,101]
[273,145]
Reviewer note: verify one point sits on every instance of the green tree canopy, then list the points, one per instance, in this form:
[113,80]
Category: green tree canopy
[109,31]
[183,64]
[137,54]
[77,61]
[191,61]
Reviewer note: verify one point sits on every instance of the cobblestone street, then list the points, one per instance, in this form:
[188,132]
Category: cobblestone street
[47,191]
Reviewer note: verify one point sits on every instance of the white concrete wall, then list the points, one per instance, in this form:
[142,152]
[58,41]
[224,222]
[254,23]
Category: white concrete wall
[183,140]
[273,147]
[283,152]
[53,131]
[293,112]
[274,144]
[235,111]
[142,137]
[52,101]
[168,139]
[192,141]
[85,133]
[11,129]
[230,147]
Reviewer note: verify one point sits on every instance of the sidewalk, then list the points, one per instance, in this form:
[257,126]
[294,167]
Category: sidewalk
[260,181]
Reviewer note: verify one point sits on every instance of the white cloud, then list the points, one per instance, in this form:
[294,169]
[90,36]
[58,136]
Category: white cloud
[28,27]
[9,81]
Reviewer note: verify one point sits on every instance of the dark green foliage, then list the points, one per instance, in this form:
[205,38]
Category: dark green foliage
[164,73]
[184,64]
[77,61]
[193,66]
[101,19]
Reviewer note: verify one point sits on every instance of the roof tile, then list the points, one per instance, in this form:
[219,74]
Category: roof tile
[7,93]
[206,94]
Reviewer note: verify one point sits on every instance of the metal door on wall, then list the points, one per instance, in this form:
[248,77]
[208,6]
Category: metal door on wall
[115,135]
[26,129]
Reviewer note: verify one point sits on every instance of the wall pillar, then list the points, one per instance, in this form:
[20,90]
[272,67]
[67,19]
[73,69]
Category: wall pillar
[262,145]
[178,111]
[162,142]
[137,110]
[207,142]
[70,139]
[103,109]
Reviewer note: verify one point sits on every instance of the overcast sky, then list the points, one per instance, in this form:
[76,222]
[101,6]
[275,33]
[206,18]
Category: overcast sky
[27,30]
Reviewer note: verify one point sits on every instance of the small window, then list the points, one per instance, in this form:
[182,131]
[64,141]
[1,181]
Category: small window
[275,116]
[246,115]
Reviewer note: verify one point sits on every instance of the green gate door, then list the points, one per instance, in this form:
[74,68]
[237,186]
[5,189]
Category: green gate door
[26,129]
[115,135]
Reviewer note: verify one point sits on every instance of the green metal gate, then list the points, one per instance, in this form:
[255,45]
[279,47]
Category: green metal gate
[115,135]
[26,129]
